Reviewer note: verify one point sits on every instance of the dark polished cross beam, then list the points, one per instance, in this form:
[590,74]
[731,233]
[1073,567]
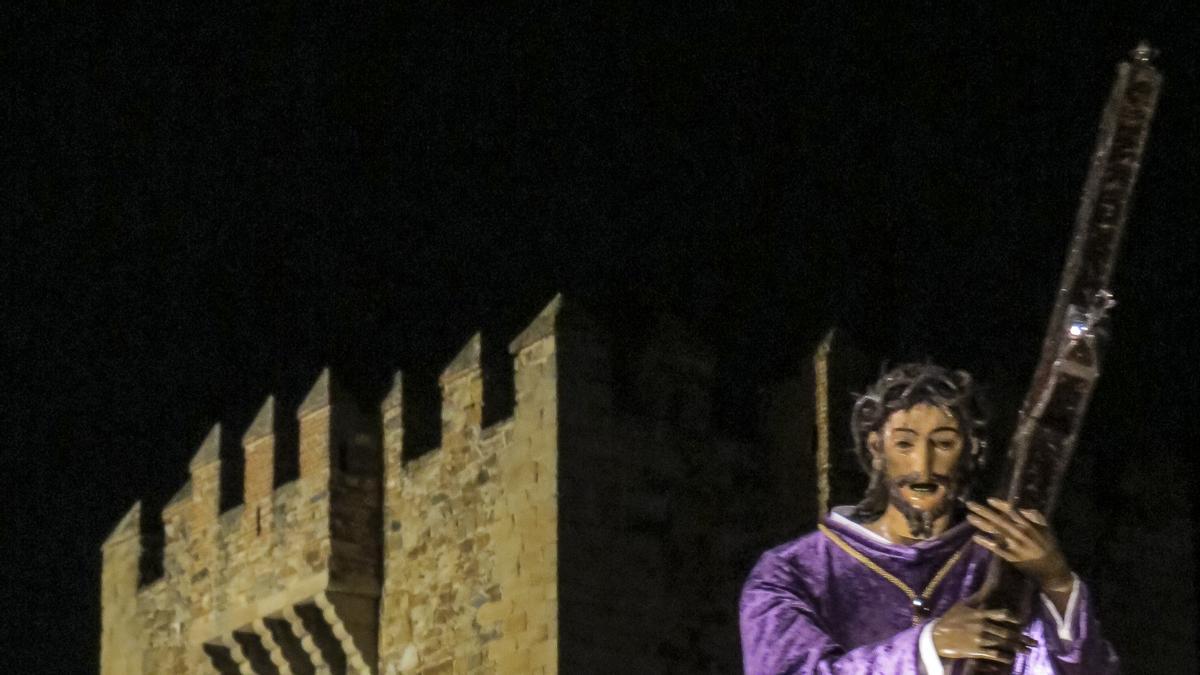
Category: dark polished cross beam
[1052,414]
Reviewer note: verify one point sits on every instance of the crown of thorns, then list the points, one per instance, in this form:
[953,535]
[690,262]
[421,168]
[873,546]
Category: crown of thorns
[910,384]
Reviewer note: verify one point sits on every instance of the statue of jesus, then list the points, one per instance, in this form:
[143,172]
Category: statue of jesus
[884,586]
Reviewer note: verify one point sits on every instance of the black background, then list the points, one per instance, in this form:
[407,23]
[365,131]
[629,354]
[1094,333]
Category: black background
[203,206]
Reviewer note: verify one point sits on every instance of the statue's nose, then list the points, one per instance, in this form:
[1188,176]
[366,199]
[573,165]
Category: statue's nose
[926,459]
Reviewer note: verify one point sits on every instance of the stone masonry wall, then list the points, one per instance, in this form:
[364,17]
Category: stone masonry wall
[311,543]
[439,554]
[470,528]
[602,527]
[121,632]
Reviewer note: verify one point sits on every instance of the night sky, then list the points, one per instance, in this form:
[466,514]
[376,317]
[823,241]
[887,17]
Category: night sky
[201,207]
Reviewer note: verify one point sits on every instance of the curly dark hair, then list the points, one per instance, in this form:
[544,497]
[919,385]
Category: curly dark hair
[901,388]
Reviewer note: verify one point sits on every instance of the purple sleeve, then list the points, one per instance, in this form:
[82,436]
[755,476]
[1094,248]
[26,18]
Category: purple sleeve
[1083,649]
[782,632]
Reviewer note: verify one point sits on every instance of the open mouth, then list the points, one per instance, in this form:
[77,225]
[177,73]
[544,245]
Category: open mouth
[924,488]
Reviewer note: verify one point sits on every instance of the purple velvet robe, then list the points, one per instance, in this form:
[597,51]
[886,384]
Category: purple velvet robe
[808,607]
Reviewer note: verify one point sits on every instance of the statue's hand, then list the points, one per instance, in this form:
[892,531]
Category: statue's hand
[965,632]
[1023,538]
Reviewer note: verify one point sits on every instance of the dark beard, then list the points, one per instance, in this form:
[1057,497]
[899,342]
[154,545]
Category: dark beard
[920,523]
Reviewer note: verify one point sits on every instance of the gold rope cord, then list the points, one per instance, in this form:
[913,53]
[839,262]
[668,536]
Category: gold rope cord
[821,403]
[871,565]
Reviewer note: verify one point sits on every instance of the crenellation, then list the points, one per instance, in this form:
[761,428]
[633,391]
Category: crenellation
[209,451]
[467,361]
[122,622]
[461,383]
[258,446]
[205,470]
[316,428]
[391,413]
[127,528]
[562,532]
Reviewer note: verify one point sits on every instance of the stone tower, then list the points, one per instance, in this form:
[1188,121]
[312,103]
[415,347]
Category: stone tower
[603,526]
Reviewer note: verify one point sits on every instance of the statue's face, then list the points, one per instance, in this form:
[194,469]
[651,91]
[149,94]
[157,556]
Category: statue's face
[920,448]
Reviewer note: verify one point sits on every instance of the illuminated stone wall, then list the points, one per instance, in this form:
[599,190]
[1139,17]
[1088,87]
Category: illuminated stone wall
[599,525]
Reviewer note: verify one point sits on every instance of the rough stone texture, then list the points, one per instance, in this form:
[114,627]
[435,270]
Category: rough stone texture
[122,631]
[602,527]
[312,544]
